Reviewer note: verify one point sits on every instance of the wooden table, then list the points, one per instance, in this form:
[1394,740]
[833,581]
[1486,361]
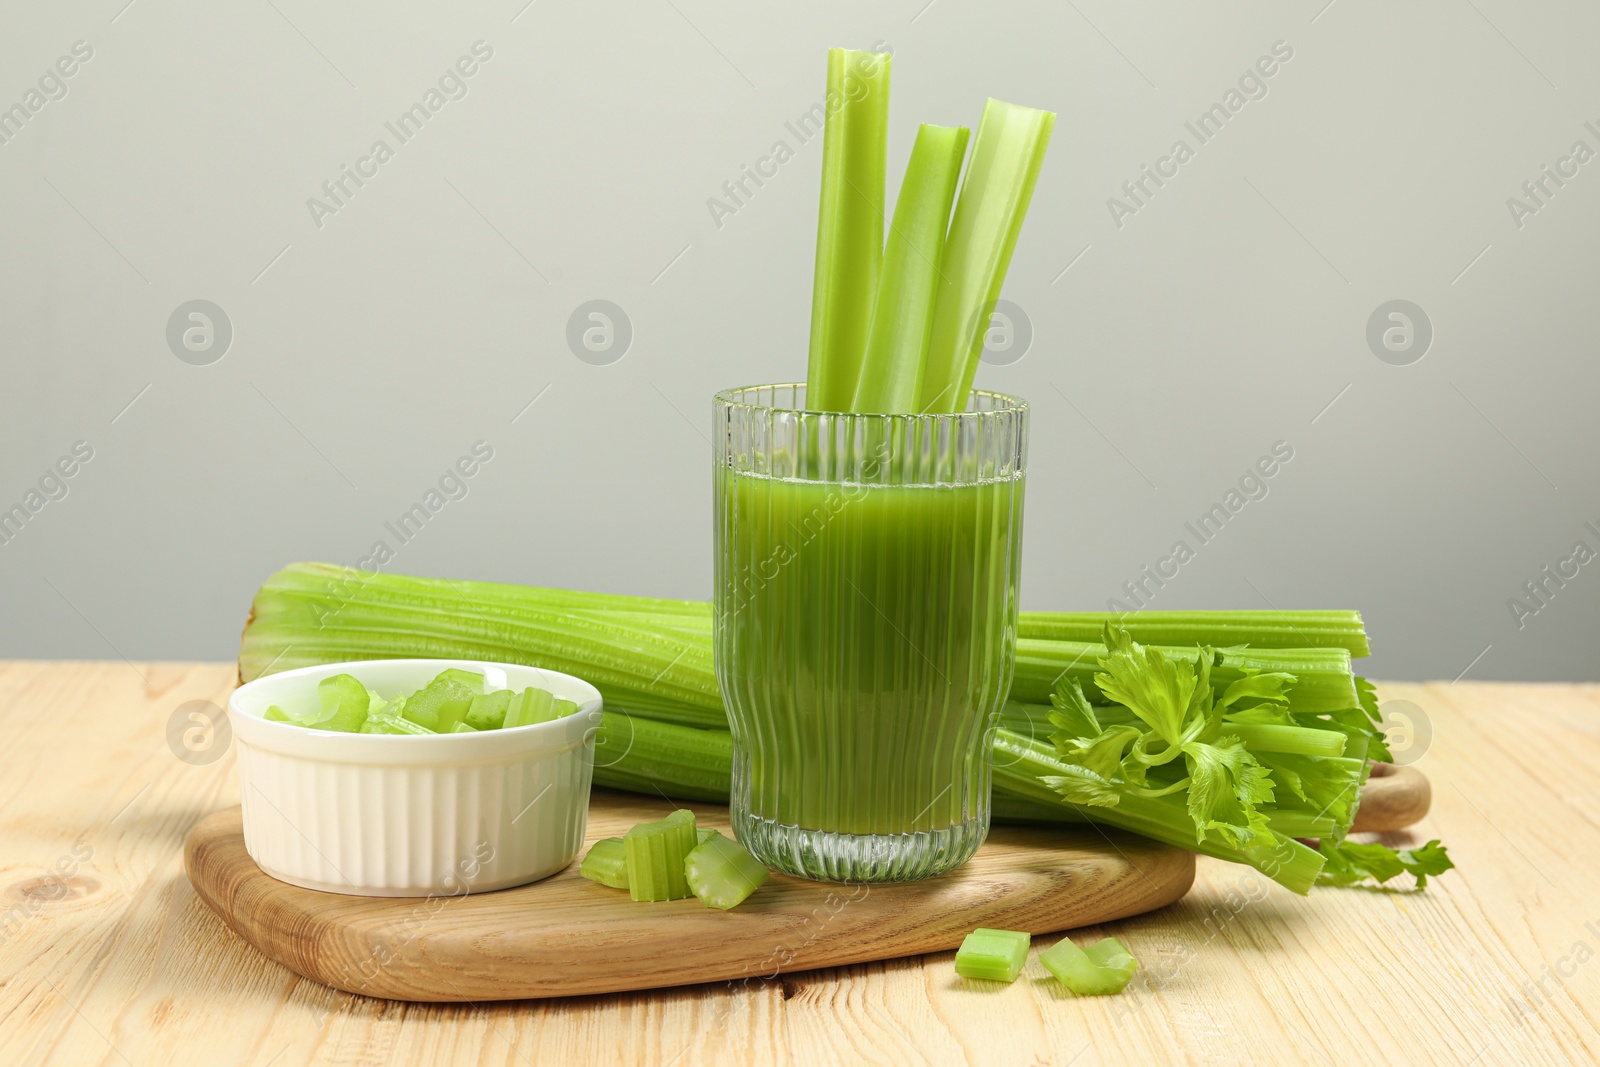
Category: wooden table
[108,957]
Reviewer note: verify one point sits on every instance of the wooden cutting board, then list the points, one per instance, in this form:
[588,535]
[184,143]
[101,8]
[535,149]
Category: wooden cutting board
[566,936]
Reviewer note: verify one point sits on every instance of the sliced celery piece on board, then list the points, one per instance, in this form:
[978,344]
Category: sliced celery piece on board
[655,853]
[607,863]
[722,873]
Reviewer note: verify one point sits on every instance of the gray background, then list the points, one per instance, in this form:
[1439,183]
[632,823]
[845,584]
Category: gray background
[368,354]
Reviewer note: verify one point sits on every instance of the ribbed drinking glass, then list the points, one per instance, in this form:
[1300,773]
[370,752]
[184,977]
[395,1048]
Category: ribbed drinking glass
[865,626]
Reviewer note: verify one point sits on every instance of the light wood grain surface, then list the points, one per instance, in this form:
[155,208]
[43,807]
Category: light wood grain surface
[564,936]
[107,956]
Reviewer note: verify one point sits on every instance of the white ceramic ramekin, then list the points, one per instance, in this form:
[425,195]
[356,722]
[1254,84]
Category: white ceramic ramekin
[400,815]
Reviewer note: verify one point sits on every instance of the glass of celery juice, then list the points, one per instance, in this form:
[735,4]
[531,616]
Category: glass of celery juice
[865,626]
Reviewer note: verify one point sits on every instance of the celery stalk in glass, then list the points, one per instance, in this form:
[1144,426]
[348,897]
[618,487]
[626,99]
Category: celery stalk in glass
[849,224]
[1006,156]
[902,318]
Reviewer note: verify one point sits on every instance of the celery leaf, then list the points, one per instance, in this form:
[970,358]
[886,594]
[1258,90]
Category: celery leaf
[1350,862]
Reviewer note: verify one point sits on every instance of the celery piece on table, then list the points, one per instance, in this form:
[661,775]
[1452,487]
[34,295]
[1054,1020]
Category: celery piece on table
[722,873]
[849,224]
[443,702]
[902,315]
[488,711]
[606,862]
[702,834]
[1006,155]
[995,955]
[344,702]
[1103,968]
[655,854]
[528,707]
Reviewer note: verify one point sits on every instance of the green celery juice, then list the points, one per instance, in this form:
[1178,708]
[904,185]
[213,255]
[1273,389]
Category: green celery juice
[865,636]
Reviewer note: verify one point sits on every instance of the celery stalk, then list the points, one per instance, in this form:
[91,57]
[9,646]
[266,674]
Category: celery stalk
[311,613]
[645,756]
[1022,763]
[849,224]
[902,318]
[606,862]
[995,955]
[1218,629]
[654,854]
[721,873]
[1006,156]
[1324,680]
[1293,740]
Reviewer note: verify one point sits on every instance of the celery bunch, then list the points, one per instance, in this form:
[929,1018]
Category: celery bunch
[1298,714]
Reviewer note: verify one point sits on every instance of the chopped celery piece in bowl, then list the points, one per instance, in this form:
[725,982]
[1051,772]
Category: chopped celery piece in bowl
[412,799]
[454,702]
